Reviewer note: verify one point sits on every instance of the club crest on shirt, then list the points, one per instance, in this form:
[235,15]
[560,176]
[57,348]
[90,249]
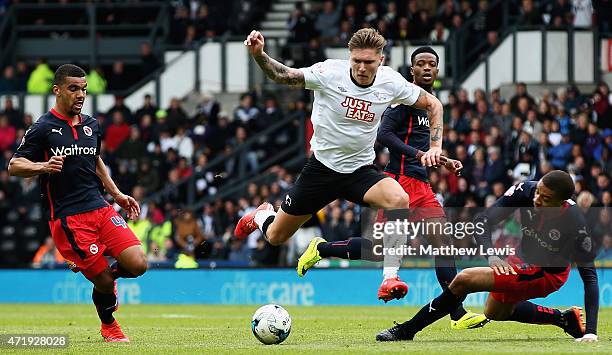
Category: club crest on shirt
[357,109]
[88,131]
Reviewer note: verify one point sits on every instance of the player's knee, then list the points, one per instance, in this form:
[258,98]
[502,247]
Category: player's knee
[494,315]
[275,238]
[141,266]
[397,200]
[460,283]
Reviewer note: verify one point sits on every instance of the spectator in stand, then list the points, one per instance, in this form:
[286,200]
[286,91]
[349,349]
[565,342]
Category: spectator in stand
[300,25]
[21,75]
[582,11]
[326,22]
[208,109]
[116,133]
[521,92]
[602,105]
[41,78]
[96,84]
[529,14]
[246,113]
[8,82]
[184,144]
[561,153]
[132,149]
[148,62]
[117,79]
[314,53]
[446,11]
[15,116]
[560,9]
[439,33]
[119,106]
[148,129]
[148,108]
[47,256]
[350,15]
[178,25]
[371,14]
[345,33]
[188,233]
[7,133]
[176,116]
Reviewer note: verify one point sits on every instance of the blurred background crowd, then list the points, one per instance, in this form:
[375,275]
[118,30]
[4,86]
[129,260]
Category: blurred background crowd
[150,150]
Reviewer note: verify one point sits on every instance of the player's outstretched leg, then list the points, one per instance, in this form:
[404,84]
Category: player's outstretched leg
[446,270]
[569,320]
[392,287]
[350,249]
[105,300]
[467,281]
[310,257]
[277,227]
[248,224]
[460,318]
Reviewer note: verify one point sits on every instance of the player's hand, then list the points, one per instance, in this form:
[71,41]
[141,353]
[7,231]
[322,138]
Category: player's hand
[587,338]
[129,204]
[500,266]
[431,157]
[255,43]
[54,165]
[454,166]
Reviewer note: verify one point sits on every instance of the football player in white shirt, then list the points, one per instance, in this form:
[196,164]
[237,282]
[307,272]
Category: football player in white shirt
[350,98]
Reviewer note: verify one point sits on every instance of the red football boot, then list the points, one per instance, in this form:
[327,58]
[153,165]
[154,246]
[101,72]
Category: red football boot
[112,333]
[392,288]
[246,225]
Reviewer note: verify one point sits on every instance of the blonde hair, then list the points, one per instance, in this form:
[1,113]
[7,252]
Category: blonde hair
[367,38]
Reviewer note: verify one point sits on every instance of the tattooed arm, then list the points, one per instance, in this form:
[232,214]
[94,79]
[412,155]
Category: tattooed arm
[427,101]
[275,71]
[278,72]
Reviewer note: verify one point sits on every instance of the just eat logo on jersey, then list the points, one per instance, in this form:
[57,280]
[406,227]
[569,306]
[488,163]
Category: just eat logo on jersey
[358,109]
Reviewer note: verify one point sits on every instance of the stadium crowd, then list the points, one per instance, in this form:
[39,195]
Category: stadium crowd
[499,142]
[151,149]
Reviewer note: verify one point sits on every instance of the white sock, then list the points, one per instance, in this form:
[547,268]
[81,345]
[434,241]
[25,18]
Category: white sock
[390,272]
[392,262]
[261,216]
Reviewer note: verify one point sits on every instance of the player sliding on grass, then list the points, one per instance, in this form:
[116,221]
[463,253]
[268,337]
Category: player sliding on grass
[552,239]
[349,100]
[406,131]
[63,149]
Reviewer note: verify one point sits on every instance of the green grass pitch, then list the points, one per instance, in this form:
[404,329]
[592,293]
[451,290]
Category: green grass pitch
[323,329]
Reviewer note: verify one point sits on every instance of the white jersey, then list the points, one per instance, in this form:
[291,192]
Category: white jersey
[345,116]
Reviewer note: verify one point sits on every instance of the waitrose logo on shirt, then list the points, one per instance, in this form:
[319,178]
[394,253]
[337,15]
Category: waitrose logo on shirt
[73,150]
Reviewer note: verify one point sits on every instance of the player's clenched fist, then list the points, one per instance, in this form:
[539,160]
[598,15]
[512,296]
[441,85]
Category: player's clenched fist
[254,42]
[54,165]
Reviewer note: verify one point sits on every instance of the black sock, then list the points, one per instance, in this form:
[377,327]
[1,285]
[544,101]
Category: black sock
[118,271]
[105,305]
[436,309]
[266,224]
[527,312]
[345,249]
[446,272]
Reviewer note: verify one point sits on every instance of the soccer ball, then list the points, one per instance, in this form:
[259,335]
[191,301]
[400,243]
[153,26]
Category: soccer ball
[271,324]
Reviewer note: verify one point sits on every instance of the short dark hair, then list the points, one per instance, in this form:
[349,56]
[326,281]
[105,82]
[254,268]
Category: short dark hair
[67,70]
[425,49]
[561,183]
